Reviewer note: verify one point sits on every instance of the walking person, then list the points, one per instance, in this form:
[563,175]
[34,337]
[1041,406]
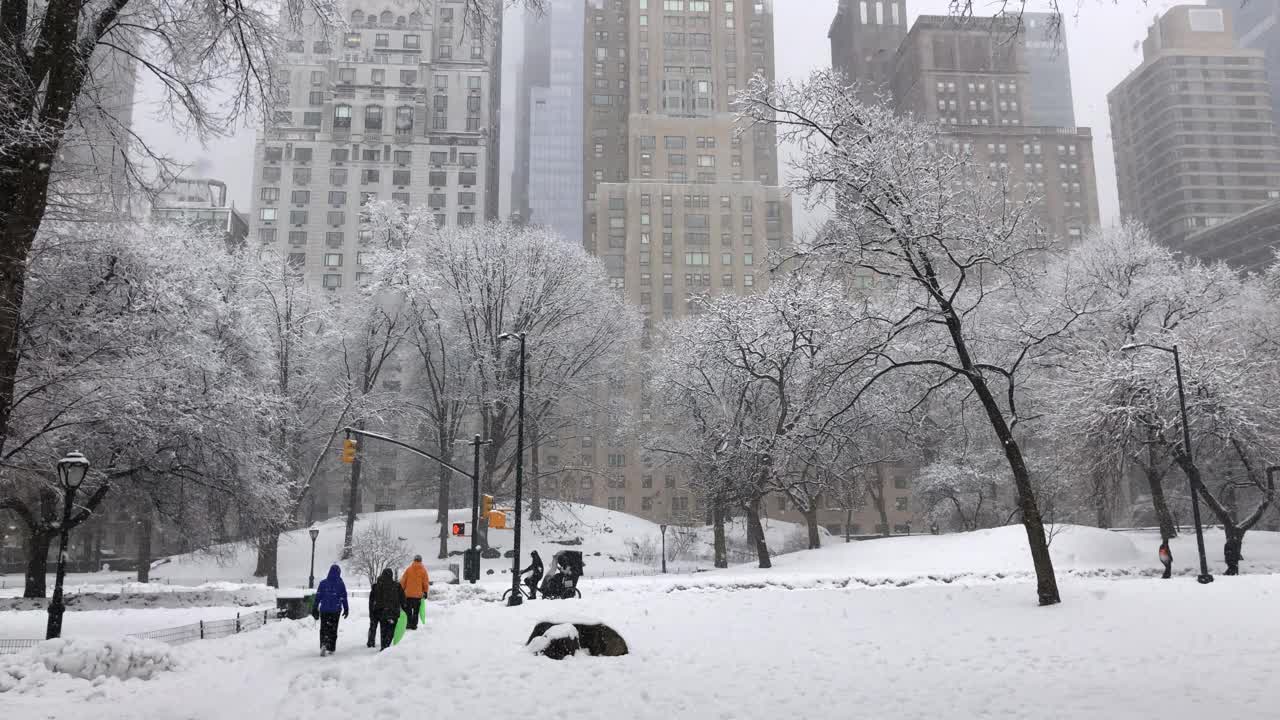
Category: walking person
[1166,557]
[535,574]
[331,601]
[386,597]
[415,582]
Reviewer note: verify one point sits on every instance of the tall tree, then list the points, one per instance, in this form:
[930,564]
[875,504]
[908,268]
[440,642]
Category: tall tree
[955,244]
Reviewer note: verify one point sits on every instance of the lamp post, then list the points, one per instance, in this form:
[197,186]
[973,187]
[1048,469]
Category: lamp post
[311,579]
[1205,578]
[71,472]
[664,548]
[516,596]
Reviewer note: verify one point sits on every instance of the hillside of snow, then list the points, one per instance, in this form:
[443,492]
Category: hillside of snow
[600,534]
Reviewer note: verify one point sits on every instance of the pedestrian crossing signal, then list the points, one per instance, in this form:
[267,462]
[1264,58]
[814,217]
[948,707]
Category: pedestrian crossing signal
[348,451]
[459,529]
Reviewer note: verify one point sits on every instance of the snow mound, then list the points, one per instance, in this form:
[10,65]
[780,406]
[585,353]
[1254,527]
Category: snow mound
[122,659]
[1003,549]
[149,595]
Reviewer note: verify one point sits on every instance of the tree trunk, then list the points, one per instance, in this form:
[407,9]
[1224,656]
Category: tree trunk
[755,532]
[811,520]
[1231,552]
[268,558]
[877,498]
[1046,582]
[444,477]
[1168,528]
[37,564]
[1101,500]
[848,524]
[354,502]
[721,548]
[146,526]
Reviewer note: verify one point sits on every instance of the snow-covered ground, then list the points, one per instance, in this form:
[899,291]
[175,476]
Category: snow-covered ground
[924,627]
[1132,648]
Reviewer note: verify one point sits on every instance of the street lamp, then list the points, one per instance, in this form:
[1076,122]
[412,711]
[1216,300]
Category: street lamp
[71,472]
[311,579]
[1205,578]
[517,597]
[664,548]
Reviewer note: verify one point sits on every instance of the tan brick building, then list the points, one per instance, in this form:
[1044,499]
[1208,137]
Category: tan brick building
[973,77]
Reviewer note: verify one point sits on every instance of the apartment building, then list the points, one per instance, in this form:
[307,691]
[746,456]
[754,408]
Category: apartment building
[973,77]
[394,108]
[202,201]
[1192,128]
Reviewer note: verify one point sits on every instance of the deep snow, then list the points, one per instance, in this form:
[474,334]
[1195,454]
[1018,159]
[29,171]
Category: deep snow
[1135,648]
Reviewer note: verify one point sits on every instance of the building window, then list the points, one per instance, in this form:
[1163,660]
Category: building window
[373,117]
[618,503]
[342,117]
[333,259]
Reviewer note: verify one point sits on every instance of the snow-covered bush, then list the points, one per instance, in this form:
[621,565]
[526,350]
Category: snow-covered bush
[643,551]
[123,659]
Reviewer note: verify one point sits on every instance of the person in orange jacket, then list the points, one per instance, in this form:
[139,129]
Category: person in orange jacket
[415,583]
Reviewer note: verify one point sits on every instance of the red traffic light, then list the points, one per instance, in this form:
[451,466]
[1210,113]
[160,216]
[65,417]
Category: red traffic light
[459,529]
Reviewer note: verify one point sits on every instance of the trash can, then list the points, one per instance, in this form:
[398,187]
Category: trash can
[456,570]
[294,606]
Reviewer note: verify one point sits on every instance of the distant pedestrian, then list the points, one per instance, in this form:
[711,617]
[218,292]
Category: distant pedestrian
[535,571]
[386,598]
[331,601]
[1166,557]
[415,582]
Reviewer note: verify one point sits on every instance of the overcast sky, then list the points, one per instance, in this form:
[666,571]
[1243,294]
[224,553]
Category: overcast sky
[1103,41]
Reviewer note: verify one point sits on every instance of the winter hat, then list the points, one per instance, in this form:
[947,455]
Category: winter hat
[417,558]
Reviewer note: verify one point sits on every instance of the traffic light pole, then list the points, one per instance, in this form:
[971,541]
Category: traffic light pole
[365,433]
[474,475]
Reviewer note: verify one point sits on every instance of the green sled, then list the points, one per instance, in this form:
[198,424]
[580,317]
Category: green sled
[422,612]
[401,624]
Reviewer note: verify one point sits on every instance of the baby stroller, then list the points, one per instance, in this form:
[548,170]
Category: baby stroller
[563,583]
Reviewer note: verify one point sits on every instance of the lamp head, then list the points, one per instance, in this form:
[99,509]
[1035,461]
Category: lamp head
[314,532]
[72,469]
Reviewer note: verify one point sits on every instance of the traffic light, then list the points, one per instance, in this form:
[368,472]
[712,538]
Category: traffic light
[486,504]
[348,451]
[459,529]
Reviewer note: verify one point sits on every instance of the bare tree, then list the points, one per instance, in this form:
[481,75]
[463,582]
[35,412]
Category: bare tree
[375,548]
[958,248]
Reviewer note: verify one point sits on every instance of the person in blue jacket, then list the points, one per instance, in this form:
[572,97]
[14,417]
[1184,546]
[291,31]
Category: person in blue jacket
[331,599]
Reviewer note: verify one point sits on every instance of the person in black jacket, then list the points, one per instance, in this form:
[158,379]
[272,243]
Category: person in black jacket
[386,598]
[535,574]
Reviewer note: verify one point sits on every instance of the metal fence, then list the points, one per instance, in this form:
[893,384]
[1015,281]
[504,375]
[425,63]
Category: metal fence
[202,630]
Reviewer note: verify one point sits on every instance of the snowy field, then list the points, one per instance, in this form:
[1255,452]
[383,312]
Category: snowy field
[1132,648]
[919,627]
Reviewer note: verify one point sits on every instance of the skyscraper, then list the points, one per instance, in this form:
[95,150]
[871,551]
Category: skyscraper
[1192,127]
[553,111]
[965,75]
[394,109]
[865,36]
[1044,49]
[679,199]
[1256,25]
